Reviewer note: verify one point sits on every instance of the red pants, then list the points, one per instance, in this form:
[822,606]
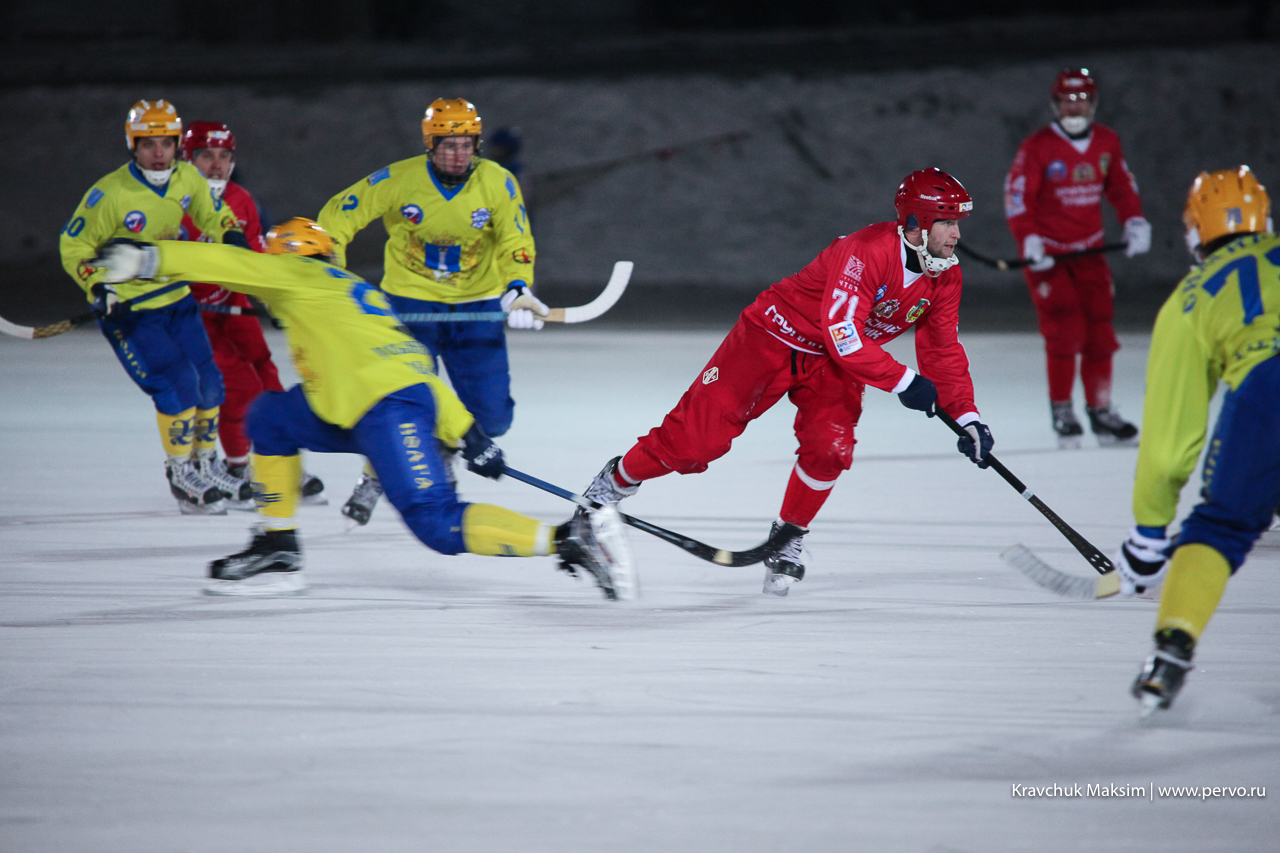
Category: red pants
[748,374]
[247,370]
[1075,301]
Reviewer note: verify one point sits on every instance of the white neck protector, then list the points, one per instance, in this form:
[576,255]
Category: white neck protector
[933,267]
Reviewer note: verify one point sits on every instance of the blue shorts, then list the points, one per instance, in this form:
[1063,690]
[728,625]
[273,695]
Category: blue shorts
[1241,470]
[167,353]
[474,353]
[397,436]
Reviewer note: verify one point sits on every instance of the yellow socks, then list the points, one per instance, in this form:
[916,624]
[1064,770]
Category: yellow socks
[491,531]
[276,485]
[177,432]
[1197,578]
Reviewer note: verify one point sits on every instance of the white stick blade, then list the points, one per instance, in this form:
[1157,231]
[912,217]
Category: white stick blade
[608,297]
[1059,582]
[16,330]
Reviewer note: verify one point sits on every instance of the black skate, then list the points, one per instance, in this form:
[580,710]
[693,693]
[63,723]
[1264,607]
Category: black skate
[271,565]
[312,492]
[195,494]
[595,541]
[235,487]
[1111,429]
[359,507]
[784,569]
[1164,671]
[1066,425]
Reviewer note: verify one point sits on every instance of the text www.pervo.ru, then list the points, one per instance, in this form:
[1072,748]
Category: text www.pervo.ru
[1147,792]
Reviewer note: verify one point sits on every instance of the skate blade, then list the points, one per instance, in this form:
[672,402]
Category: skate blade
[283,583]
[215,508]
[1150,704]
[779,585]
[241,506]
[1068,442]
[1112,441]
[612,538]
[314,500]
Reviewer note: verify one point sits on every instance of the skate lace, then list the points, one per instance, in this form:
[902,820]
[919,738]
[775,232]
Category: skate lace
[1107,418]
[792,550]
[605,490]
[215,470]
[187,477]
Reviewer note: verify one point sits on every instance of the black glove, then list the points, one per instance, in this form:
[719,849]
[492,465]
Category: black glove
[107,304]
[482,455]
[235,238]
[977,444]
[920,394]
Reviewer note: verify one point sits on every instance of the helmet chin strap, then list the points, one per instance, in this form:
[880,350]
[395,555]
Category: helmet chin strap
[933,267]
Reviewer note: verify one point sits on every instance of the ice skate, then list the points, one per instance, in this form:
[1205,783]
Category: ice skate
[596,542]
[312,491]
[604,489]
[1111,429]
[271,565]
[1066,426]
[359,507]
[237,491]
[195,494]
[786,568]
[1164,671]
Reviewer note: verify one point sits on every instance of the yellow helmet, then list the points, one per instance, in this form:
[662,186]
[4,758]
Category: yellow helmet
[449,117]
[1228,201]
[299,236]
[151,118]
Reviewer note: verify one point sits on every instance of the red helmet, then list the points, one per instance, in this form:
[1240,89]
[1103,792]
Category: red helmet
[929,195]
[1074,84]
[206,134]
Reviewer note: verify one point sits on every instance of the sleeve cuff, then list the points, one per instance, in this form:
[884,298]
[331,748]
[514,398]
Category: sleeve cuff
[968,418]
[904,381]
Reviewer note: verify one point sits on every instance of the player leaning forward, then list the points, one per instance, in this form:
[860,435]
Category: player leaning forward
[159,338]
[816,336]
[1222,322]
[458,240]
[367,388]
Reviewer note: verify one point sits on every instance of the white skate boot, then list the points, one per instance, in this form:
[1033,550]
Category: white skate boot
[595,541]
[195,494]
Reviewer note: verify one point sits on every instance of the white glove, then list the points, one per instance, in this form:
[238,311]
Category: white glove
[125,261]
[523,308]
[1141,562]
[1137,237]
[1033,251]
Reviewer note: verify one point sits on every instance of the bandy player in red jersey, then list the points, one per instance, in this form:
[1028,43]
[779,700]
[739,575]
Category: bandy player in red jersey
[239,349]
[1053,201]
[816,336]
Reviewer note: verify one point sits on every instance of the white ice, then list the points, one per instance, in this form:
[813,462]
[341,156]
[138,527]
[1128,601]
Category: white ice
[416,702]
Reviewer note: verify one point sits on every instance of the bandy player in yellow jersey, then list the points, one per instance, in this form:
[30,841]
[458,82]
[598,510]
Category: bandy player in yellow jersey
[459,241]
[156,330]
[1221,323]
[367,388]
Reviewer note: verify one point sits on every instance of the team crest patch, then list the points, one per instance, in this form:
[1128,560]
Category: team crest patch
[135,221]
[1056,171]
[1083,173]
[886,309]
[845,337]
[521,256]
[480,218]
[412,212]
[917,311]
[1104,163]
[186,201]
[711,375]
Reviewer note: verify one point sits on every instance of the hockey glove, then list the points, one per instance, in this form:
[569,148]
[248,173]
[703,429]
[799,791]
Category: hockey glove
[236,238]
[482,455]
[107,304]
[1033,251]
[524,310]
[1141,561]
[1137,237]
[921,394]
[125,260]
[977,444]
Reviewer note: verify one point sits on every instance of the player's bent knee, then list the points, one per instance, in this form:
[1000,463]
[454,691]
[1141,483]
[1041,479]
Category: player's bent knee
[437,525]
[267,425]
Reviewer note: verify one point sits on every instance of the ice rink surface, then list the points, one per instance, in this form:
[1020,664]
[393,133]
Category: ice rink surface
[416,702]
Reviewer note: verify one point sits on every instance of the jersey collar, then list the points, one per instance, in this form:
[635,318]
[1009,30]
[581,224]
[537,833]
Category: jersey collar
[1081,144]
[160,191]
[447,192]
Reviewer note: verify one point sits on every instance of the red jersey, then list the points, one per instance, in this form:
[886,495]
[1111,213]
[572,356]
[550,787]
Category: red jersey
[1056,184]
[858,294]
[242,205]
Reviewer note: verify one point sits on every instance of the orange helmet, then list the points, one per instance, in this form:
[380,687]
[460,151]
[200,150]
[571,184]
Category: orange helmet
[1228,201]
[446,117]
[299,236]
[151,118]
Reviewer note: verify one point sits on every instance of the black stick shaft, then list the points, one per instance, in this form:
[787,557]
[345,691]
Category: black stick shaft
[1018,263]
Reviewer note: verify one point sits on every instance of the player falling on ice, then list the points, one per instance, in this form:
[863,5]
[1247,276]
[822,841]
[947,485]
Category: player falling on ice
[367,388]
[1053,201]
[1222,322]
[458,241]
[239,348]
[816,336]
[155,330]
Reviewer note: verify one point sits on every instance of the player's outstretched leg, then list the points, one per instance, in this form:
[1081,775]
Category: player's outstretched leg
[1110,428]
[359,507]
[271,565]
[785,568]
[596,542]
[1164,671]
[235,488]
[195,494]
[609,486]
[313,491]
[1066,426]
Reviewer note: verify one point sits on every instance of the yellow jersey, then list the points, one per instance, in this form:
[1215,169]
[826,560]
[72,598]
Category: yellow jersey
[348,345]
[1221,321]
[123,204]
[445,244]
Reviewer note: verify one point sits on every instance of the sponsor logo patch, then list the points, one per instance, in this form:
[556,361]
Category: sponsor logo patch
[880,292]
[845,337]
[886,309]
[511,188]
[711,375]
[1056,171]
[852,271]
[412,212]
[480,218]
[521,256]
[135,221]
[1235,216]
[95,196]
[186,201]
[380,175]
